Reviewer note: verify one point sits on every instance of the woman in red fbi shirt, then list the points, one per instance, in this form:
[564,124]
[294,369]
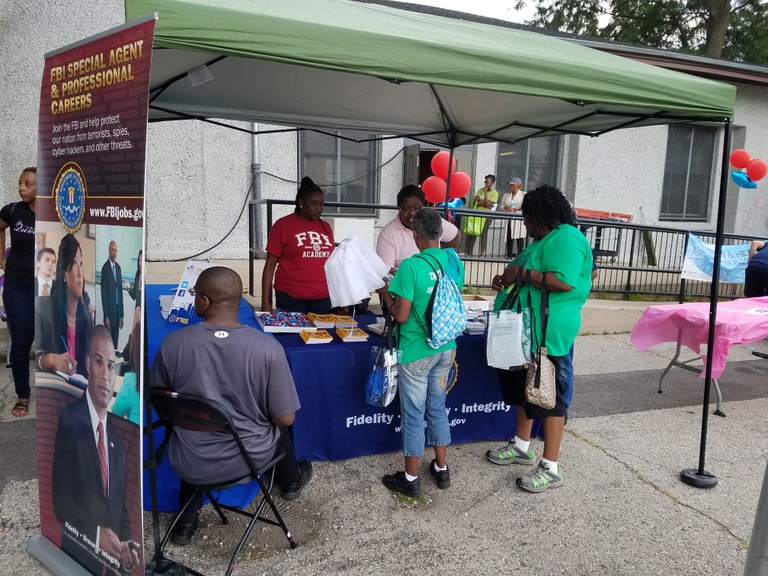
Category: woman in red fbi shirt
[298,246]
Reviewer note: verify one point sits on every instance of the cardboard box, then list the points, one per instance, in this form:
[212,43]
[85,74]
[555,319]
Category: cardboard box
[477,302]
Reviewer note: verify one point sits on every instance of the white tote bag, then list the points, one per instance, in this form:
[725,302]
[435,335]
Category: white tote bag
[504,344]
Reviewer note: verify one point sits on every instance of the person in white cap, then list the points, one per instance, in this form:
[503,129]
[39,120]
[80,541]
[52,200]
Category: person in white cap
[512,201]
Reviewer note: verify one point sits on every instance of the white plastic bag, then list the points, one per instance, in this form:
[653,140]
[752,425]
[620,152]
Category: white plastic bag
[353,271]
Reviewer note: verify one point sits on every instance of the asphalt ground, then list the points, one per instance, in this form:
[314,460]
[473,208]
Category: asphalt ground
[621,510]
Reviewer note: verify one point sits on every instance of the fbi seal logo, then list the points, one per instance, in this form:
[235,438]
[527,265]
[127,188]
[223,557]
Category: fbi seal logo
[69,192]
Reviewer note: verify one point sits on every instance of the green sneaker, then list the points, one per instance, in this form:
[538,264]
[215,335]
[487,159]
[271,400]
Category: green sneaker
[540,479]
[511,454]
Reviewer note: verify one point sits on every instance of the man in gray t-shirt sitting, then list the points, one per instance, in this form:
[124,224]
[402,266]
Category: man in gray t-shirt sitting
[247,372]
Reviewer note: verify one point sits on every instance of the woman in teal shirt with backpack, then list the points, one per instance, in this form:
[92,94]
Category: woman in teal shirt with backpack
[561,256]
[423,371]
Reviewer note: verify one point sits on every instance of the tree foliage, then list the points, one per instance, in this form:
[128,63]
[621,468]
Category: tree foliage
[736,30]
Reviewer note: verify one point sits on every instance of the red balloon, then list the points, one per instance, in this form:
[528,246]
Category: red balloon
[440,165]
[460,185]
[740,158]
[434,189]
[757,169]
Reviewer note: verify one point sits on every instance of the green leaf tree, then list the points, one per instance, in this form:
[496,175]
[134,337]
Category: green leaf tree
[736,30]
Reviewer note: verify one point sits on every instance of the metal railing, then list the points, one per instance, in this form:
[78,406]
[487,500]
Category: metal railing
[632,258]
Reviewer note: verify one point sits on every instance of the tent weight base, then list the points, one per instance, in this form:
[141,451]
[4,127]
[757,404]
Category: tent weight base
[692,477]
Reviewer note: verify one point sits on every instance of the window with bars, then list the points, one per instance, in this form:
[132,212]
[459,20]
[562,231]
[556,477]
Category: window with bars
[534,161]
[346,170]
[688,173]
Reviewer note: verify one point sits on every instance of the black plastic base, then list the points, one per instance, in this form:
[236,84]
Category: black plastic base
[167,568]
[692,477]
[760,354]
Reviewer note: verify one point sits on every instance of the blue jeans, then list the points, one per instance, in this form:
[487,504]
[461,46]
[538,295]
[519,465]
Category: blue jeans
[566,375]
[19,304]
[422,396]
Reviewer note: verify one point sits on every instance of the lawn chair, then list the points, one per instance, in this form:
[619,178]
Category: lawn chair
[204,415]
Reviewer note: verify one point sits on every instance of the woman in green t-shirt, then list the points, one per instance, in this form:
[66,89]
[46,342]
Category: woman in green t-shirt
[561,251]
[485,199]
[423,370]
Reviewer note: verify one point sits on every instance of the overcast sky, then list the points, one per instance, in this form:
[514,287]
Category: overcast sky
[501,9]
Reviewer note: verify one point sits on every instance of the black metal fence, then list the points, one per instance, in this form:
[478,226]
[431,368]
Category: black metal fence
[632,259]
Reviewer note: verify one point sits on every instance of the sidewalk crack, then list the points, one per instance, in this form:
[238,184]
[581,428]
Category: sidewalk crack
[636,473]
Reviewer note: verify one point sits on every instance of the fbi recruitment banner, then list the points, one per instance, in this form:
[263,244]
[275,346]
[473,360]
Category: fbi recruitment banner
[90,219]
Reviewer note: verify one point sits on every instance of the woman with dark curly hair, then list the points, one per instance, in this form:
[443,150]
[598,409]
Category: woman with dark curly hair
[560,256]
[63,324]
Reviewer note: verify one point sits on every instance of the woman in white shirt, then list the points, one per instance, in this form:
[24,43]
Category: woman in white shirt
[512,201]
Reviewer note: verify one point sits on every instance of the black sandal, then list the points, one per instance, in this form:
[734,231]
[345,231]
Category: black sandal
[21,408]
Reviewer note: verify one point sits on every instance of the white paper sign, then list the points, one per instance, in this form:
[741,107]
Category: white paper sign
[183,308]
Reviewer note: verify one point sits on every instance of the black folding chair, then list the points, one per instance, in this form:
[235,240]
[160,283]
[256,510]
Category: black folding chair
[204,415]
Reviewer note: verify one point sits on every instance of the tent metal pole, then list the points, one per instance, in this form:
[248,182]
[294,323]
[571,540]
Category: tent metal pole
[448,180]
[254,210]
[699,477]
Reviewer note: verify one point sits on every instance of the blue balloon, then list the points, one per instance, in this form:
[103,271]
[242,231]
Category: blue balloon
[741,179]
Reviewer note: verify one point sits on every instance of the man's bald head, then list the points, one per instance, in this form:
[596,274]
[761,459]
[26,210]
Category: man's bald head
[99,332]
[221,285]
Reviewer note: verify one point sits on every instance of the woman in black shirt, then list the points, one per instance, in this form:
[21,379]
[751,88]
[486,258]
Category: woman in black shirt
[19,284]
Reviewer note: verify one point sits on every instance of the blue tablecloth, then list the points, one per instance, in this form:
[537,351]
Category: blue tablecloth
[334,422]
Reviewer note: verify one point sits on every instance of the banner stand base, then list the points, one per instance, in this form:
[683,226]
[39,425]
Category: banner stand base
[53,558]
[167,567]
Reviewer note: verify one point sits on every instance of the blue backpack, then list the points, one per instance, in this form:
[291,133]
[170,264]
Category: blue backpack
[446,317]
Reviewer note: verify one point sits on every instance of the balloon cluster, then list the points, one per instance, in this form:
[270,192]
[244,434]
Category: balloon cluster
[749,170]
[435,186]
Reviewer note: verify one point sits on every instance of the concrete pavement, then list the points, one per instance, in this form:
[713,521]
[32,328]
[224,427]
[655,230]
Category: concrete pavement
[622,509]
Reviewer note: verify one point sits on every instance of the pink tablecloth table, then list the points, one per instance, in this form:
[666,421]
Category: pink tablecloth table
[738,322]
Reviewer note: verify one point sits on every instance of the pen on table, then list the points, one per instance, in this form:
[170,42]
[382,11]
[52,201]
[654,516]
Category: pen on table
[66,349]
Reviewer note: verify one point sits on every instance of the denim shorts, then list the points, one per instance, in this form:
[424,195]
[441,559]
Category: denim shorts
[422,402]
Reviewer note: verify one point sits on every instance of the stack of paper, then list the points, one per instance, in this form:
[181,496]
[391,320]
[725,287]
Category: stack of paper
[474,327]
[377,328]
[321,320]
[316,337]
[474,314]
[354,334]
